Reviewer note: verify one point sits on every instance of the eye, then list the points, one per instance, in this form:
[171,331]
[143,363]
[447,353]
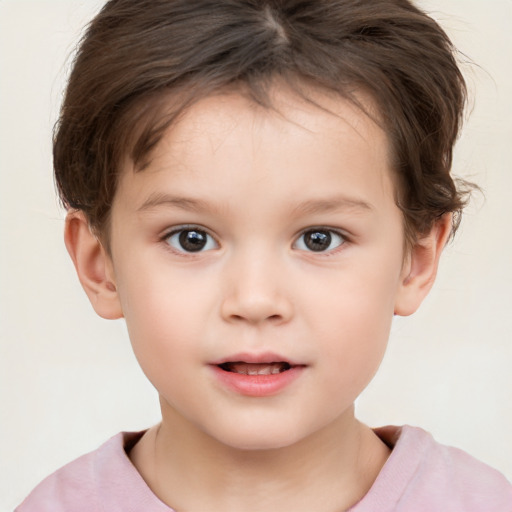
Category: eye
[319,240]
[191,240]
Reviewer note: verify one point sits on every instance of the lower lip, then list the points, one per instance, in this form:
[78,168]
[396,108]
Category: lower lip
[257,385]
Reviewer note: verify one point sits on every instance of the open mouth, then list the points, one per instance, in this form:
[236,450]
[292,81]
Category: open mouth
[257,375]
[244,368]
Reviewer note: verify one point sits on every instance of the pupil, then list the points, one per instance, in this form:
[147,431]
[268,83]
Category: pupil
[317,240]
[192,241]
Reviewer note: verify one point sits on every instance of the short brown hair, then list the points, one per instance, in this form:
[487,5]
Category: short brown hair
[136,55]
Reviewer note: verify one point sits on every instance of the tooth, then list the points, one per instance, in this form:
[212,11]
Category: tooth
[256,368]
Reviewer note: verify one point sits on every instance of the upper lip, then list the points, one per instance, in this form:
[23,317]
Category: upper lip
[262,358]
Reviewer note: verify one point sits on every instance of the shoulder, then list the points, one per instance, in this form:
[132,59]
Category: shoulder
[460,478]
[79,486]
[432,476]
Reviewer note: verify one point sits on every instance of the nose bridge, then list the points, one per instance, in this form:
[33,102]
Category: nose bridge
[256,289]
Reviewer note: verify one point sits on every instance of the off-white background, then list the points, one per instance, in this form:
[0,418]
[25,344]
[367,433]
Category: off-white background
[68,378]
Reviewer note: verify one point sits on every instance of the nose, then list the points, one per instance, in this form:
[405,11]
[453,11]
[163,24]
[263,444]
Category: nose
[256,292]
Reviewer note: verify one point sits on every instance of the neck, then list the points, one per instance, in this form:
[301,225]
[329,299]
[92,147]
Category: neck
[333,469]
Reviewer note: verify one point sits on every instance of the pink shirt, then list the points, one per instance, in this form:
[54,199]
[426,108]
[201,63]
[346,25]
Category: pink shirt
[419,476]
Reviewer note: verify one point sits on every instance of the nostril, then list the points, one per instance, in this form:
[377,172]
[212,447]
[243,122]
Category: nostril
[244,318]
[254,306]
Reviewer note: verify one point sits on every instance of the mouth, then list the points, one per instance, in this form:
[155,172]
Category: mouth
[244,368]
[257,375]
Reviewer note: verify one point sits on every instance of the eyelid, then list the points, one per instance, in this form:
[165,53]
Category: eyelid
[338,232]
[183,227]
[186,227]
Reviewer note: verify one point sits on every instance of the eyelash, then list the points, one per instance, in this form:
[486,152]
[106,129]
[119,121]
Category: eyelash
[183,229]
[343,239]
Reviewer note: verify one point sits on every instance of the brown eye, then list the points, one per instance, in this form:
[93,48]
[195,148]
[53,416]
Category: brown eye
[319,240]
[191,240]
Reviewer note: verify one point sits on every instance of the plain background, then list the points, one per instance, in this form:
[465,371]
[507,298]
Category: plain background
[68,378]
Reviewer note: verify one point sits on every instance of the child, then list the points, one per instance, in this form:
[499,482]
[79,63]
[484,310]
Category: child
[257,187]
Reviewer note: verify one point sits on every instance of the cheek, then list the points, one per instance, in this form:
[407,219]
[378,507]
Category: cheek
[352,317]
[164,339]
[353,351]
[356,343]
[164,316]
[155,293]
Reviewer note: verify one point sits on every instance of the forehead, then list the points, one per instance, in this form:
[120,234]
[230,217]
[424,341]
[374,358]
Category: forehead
[227,143]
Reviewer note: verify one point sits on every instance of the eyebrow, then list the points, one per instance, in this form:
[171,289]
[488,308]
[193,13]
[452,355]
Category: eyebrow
[159,199]
[337,203]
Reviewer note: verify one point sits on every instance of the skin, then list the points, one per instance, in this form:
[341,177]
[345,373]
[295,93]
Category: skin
[254,180]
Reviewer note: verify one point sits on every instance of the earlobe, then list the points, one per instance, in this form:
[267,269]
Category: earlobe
[93,266]
[420,269]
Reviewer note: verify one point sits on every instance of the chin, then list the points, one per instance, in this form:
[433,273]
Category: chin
[258,437]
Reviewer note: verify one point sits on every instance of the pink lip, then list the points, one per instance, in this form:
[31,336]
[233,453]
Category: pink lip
[257,385]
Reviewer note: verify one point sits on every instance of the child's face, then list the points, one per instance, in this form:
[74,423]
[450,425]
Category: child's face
[258,237]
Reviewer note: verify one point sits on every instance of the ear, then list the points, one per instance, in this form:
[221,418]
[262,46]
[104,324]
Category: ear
[420,267]
[93,266]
